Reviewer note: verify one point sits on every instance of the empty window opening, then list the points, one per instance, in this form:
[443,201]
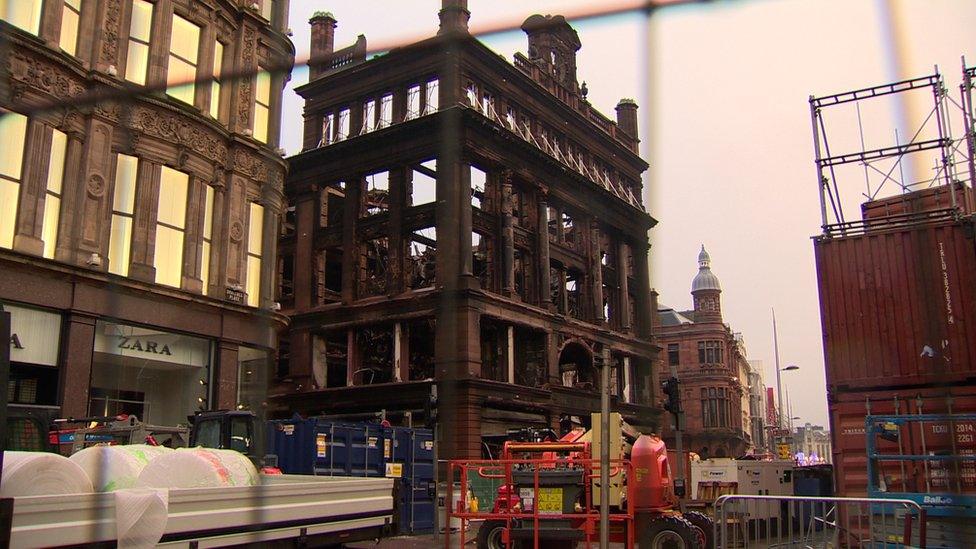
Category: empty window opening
[333,355]
[488,104]
[421,345]
[422,258]
[369,116]
[342,126]
[471,93]
[574,293]
[377,197]
[386,111]
[375,346]
[374,267]
[530,357]
[331,205]
[576,367]
[523,274]
[433,100]
[479,181]
[553,223]
[556,285]
[330,277]
[569,230]
[423,185]
[674,354]
[328,129]
[494,350]
[481,259]
[413,102]
[286,277]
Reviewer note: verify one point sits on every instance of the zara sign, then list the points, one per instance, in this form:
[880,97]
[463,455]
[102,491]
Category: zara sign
[35,335]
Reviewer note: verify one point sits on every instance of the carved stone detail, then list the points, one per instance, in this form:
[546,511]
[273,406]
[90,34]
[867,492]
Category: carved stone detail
[110,33]
[41,75]
[244,93]
[177,130]
[95,187]
[236,231]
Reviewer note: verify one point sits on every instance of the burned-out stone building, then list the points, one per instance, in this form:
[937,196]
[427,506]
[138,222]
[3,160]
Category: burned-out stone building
[465,237]
[140,198]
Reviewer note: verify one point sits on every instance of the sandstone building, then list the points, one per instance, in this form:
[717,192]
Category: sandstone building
[712,369]
[138,233]
[467,239]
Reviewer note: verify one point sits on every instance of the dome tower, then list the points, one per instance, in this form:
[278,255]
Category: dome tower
[705,290]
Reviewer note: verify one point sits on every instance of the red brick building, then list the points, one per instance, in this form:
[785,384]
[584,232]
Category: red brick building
[712,368]
[138,234]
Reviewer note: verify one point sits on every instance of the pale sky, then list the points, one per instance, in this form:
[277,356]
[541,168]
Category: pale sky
[725,125]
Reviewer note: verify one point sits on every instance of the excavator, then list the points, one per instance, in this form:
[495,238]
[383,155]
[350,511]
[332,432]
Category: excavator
[551,492]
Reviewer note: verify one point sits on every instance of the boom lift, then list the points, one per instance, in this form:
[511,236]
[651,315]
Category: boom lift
[549,493]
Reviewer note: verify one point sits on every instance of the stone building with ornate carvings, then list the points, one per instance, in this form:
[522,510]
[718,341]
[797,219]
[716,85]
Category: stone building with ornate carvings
[712,369]
[469,239]
[140,198]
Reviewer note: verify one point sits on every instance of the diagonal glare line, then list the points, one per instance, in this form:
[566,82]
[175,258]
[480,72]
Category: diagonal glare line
[128,90]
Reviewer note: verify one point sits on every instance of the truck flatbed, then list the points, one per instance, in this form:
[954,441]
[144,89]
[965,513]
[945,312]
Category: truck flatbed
[283,507]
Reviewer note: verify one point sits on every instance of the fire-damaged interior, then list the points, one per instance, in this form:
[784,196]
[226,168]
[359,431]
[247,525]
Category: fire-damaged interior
[467,243]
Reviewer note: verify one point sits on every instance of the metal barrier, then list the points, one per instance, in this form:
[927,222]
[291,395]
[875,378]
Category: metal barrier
[743,521]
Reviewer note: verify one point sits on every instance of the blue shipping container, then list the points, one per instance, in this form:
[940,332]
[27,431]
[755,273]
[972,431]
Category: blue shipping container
[321,447]
[411,457]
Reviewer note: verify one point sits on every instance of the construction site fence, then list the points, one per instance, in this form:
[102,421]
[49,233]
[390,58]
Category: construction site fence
[743,521]
[472,496]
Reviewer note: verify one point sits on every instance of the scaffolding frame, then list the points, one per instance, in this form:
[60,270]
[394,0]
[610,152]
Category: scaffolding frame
[833,219]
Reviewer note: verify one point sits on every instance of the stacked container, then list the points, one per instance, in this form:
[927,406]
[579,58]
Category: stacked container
[898,308]
[318,446]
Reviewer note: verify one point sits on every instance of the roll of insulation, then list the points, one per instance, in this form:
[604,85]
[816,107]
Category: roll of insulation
[199,468]
[41,474]
[113,468]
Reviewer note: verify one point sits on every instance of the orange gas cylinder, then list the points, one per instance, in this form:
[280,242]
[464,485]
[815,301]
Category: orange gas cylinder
[652,476]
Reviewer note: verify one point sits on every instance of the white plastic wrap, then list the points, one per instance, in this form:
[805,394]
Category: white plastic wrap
[41,474]
[199,468]
[140,517]
[113,468]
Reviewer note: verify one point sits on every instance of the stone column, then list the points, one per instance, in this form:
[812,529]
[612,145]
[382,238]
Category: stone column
[219,243]
[64,251]
[162,31]
[193,237]
[269,245]
[398,181]
[33,189]
[642,291]
[224,393]
[508,235]
[144,222]
[305,225]
[624,285]
[350,244]
[545,291]
[596,267]
[79,335]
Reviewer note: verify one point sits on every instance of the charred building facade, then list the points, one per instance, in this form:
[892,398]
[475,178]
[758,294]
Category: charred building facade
[140,193]
[466,242]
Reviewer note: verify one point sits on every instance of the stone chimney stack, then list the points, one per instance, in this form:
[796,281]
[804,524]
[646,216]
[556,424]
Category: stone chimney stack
[323,41]
[454,16]
[627,116]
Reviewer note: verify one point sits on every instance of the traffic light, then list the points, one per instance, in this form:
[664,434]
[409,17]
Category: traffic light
[672,395]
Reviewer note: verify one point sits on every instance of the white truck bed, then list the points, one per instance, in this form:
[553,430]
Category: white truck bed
[284,506]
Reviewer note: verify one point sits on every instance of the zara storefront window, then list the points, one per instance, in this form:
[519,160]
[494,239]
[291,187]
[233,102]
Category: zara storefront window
[160,377]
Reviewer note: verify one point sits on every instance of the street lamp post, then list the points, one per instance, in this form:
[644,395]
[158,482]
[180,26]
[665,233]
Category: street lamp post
[779,384]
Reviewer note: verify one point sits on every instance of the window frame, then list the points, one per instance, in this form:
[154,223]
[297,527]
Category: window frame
[147,43]
[73,51]
[177,92]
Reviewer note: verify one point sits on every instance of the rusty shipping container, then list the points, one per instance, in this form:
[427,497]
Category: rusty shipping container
[898,304]
[849,443]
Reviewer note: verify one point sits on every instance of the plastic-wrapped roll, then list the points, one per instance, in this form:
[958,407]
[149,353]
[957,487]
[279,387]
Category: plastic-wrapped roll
[113,468]
[199,468]
[41,474]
